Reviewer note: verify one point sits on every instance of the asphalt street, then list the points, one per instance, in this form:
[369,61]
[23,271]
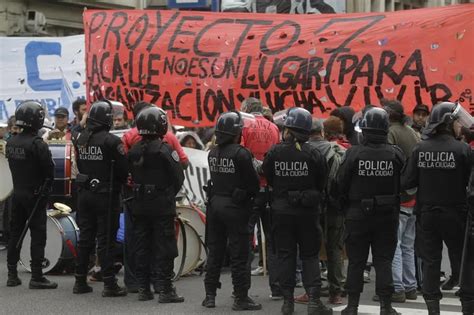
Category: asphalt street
[21,300]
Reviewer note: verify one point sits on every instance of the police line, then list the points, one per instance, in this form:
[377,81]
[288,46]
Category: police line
[196,176]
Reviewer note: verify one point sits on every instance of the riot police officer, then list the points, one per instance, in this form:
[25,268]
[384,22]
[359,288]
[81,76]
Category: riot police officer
[102,169]
[369,181]
[297,173]
[440,167]
[32,171]
[234,182]
[467,281]
[157,178]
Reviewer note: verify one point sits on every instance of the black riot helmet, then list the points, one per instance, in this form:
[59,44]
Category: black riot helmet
[100,114]
[30,114]
[229,125]
[442,113]
[299,121]
[152,121]
[375,120]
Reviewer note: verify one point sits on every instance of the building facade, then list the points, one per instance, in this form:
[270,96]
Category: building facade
[64,17]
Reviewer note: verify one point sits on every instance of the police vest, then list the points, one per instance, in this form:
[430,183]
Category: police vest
[443,171]
[224,168]
[376,172]
[294,169]
[94,158]
[23,161]
[153,188]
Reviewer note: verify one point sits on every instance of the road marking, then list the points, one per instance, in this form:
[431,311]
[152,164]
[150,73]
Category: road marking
[444,301]
[373,309]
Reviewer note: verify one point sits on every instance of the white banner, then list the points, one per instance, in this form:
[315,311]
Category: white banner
[197,174]
[50,70]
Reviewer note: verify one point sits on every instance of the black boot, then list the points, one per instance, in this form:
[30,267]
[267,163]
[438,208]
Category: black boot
[38,281]
[288,306]
[81,286]
[433,307]
[209,301]
[112,289]
[245,303]
[145,294]
[315,306]
[386,306]
[13,279]
[169,296]
[467,307]
[352,307]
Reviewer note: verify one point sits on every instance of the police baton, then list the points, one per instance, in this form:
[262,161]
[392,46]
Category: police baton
[465,248]
[109,210]
[27,224]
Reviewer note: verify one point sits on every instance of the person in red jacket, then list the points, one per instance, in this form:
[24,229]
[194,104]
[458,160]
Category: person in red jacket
[131,137]
[259,135]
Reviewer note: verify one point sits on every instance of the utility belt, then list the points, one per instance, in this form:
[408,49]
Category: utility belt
[238,196]
[94,185]
[383,203]
[303,198]
[148,192]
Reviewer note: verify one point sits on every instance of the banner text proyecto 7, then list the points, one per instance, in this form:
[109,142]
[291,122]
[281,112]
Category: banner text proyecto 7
[199,64]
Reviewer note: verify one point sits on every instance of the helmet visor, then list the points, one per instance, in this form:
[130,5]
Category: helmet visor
[117,108]
[356,121]
[279,117]
[463,117]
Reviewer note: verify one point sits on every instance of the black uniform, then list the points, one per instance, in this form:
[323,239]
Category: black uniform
[157,176]
[440,167]
[94,164]
[31,166]
[297,174]
[234,183]
[369,180]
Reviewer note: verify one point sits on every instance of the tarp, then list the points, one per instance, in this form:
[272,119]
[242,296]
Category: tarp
[197,65]
[50,70]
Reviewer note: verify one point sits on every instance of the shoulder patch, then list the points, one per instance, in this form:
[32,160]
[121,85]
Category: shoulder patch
[121,149]
[175,156]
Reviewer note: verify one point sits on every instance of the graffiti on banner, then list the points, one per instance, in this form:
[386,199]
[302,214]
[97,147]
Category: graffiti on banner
[196,175]
[49,70]
[197,65]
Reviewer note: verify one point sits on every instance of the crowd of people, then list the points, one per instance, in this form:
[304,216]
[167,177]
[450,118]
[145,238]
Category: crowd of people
[376,181]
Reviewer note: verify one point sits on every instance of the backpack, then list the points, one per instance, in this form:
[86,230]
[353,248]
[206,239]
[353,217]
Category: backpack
[334,159]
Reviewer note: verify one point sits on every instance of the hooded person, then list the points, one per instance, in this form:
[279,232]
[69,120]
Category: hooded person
[346,114]
[190,139]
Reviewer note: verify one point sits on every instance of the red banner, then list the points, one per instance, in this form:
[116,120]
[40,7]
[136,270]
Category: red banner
[197,65]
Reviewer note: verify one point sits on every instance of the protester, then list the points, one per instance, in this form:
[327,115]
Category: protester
[440,167]
[61,127]
[190,139]
[403,265]
[369,182]
[120,121]
[334,131]
[12,128]
[420,117]
[346,113]
[102,169]
[333,218]
[234,182]
[32,171]
[297,172]
[258,136]
[157,177]
[79,108]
